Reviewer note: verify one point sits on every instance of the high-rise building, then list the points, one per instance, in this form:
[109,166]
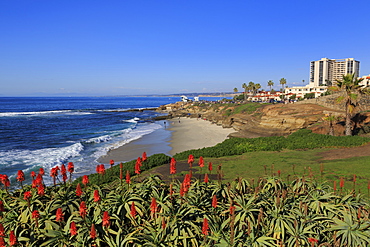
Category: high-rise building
[326,71]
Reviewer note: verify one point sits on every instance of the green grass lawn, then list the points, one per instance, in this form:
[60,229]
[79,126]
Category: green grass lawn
[293,163]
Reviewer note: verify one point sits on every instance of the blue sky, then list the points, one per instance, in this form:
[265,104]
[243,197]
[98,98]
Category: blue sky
[138,47]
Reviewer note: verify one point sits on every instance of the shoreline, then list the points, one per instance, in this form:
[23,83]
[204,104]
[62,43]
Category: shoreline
[175,137]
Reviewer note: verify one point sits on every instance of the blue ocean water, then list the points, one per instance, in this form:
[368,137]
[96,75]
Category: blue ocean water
[45,132]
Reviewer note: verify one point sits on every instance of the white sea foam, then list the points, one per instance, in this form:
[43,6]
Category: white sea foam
[100,139]
[133,120]
[46,158]
[41,113]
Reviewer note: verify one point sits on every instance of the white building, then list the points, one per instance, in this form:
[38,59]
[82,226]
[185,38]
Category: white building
[326,71]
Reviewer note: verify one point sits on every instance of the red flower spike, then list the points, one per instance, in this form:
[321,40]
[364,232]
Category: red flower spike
[93,232]
[313,240]
[206,179]
[59,215]
[111,162]
[128,179]
[35,214]
[133,210]
[85,180]
[341,183]
[232,210]
[41,171]
[38,180]
[201,161]
[335,185]
[106,219]
[71,167]
[33,175]
[137,166]
[153,205]
[163,223]
[41,190]
[83,209]
[354,178]
[12,239]
[190,159]
[2,230]
[78,190]
[2,242]
[64,176]
[144,158]
[214,201]
[96,196]
[173,166]
[210,167]
[279,172]
[73,229]
[34,184]
[205,227]
[27,195]
[63,169]
[20,176]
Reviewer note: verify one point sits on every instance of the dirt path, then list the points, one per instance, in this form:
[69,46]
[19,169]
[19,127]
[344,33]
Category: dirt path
[344,153]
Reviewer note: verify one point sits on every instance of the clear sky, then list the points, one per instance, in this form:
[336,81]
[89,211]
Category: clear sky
[136,47]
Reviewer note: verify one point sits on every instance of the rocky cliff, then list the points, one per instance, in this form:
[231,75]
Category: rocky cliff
[262,119]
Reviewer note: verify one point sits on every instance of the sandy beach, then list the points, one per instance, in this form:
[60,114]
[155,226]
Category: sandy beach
[190,133]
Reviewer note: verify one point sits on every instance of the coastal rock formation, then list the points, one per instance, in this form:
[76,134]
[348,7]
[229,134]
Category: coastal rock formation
[266,120]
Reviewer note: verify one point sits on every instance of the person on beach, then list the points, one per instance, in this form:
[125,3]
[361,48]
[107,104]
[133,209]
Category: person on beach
[164,124]
[179,119]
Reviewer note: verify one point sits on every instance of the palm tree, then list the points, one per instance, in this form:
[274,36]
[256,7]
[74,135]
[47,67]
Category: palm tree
[270,83]
[350,91]
[330,119]
[244,85]
[256,87]
[235,90]
[282,82]
[251,87]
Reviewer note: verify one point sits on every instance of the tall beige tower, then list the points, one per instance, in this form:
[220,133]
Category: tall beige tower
[326,71]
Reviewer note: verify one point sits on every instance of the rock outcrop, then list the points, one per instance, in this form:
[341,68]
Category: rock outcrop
[267,120]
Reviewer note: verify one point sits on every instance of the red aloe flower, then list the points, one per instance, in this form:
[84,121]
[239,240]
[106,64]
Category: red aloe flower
[106,219]
[101,169]
[190,160]
[71,167]
[83,209]
[138,165]
[341,183]
[73,228]
[12,239]
[232,209]
[2,209]
[20,176]
[33,175]
[153,205]
[128,179]
[93,232]
[2,230]
[163,223]
[54,173]
[186,183]
[313,240]
[144,158]
[335,186]
[85,180]
[35,214]
[210,167]
[206,180]
[214,201]
[34,184]
[5,180]
[111,162]
[59,215]
[96,196]
[38,180]
[63,169]
[133,210]
[41,171]
[27,195]
[205,226]
[279,172]
[78,190]
[41,190]
[354,178]
[201,161]
[2,242]
[173,166]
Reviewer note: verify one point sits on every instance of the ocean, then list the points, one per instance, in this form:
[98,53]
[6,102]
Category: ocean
[46,132]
